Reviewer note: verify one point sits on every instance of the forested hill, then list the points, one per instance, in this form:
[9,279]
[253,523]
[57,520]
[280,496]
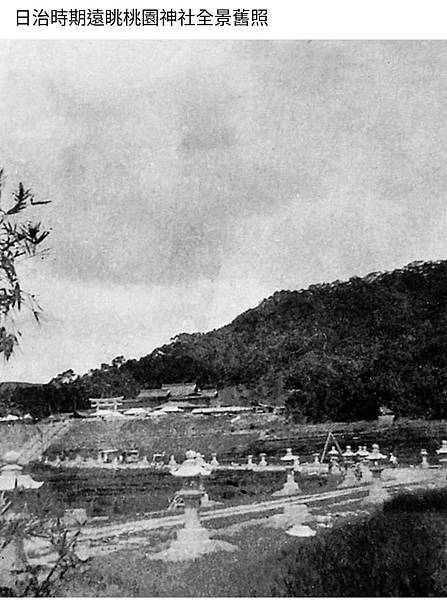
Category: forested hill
[345,348]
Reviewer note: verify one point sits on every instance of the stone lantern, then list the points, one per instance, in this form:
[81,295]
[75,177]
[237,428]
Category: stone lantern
[350,478]
[299,528]
[202,462]
[442,453]
[377,493]
[316,465]
[333,453]
[193,539]
[13,560]
[293,518]
[288,456]
[349,456]
[334,456]
[424,458]
[192,470]
[290,487]
[362,454]
[206,470]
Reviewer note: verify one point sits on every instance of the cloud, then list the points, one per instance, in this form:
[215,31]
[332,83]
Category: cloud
[182,166]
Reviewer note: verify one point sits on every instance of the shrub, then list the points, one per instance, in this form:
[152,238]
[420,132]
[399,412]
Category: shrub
[419,501]
[395,553]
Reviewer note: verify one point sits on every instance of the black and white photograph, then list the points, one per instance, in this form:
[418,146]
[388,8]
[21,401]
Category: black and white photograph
[223,317]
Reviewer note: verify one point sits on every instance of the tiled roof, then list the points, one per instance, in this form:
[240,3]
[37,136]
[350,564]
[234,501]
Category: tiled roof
[154,393]
[180,389]
[179,404]
[105,400]
[208,393]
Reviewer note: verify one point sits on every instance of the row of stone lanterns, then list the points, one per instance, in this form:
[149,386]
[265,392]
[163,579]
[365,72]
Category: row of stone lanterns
[351,477]
[291,464]
[377,493]
[194,540]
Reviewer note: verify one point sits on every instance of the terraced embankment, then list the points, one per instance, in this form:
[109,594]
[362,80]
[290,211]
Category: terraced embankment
[250,435]
[30,440]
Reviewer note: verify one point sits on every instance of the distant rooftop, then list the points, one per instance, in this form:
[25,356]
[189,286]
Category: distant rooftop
[180,389]
[104,400]
[178,404]
[216,410]
[153,393]
[208,393]
[175,385]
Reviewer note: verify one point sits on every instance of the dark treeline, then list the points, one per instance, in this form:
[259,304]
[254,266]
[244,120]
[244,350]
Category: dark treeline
[334,351]
[40,401]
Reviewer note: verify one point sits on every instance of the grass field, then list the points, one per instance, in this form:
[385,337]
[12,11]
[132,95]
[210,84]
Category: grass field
[132,573]
[391,553]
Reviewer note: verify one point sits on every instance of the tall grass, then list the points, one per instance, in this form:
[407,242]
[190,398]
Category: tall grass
[419,501]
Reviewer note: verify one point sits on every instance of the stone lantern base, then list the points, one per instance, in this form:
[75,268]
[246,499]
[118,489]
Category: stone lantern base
[377,493]
[350,479]
[301,531]
[190,544]
[367,475]
[377,496]
[293,519]
[206,502]
[193,539]
[290,487]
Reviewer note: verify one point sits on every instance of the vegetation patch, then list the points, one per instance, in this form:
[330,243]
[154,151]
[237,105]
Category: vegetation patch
[128,492]
[392,553]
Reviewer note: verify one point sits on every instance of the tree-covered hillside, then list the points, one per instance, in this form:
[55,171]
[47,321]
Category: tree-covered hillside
[344,349]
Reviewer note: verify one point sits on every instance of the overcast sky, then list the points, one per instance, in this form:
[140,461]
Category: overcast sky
[189,180]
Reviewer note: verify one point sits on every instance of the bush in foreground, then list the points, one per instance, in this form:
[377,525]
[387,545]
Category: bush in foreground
[400,552]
